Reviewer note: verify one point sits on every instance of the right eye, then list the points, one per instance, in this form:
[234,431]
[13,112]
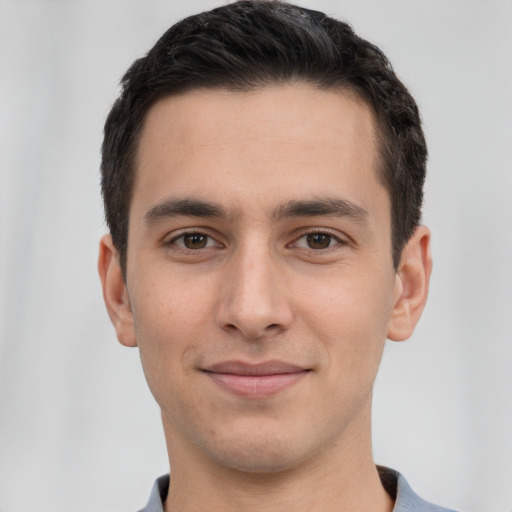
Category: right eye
[194,241]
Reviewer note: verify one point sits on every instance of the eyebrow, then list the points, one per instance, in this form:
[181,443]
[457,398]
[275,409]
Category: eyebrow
[169,208]
[323,206]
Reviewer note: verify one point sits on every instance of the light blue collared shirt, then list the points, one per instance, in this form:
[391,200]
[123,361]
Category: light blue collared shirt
[406,499]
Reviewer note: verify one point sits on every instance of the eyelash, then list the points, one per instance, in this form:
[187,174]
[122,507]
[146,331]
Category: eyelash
[191,232]
[334,236]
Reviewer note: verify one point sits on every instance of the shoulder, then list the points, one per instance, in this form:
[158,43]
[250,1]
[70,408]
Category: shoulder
[158,495]
[406,500]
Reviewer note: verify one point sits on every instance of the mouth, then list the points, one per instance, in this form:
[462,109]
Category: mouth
[255,380]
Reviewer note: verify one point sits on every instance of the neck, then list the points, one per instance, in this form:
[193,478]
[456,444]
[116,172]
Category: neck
[343,477]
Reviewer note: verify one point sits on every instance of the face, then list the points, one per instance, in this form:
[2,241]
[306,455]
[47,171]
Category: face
[260,286]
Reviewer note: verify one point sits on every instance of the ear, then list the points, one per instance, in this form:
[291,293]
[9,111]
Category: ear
[411,285]
[115,293]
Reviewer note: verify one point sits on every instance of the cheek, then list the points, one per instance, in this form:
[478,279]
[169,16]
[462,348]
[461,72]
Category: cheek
[349,315]
[169,318]
[167,305]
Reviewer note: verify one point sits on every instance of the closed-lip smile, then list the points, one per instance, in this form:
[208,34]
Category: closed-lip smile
[255,380]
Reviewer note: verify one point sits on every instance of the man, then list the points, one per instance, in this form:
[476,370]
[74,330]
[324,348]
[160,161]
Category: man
[262,176]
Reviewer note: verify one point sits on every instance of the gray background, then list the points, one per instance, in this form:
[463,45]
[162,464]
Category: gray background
[78,428]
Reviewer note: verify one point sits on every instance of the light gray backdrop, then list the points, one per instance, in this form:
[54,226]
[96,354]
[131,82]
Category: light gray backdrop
[78,429]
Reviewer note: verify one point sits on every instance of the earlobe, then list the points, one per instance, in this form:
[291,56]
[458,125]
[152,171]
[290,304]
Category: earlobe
[411,285]
[115,293]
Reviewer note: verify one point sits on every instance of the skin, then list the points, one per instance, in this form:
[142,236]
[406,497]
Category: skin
[257,278]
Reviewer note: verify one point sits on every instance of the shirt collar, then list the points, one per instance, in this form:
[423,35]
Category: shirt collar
[406,500]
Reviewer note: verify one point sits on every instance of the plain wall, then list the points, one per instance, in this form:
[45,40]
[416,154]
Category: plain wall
[78,428]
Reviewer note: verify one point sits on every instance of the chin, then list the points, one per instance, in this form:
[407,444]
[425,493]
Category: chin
[260,454]
[257,462]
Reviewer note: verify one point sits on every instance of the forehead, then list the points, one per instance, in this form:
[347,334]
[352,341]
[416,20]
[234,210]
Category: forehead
[257,145]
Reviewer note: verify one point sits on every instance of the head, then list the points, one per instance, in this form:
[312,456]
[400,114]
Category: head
[246,46]
[262,175]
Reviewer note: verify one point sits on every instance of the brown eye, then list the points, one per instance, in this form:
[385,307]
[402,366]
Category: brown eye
[318,240]
[195,241]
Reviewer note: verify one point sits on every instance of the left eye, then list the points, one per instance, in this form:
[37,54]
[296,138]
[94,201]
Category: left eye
[316,241]
[194,241]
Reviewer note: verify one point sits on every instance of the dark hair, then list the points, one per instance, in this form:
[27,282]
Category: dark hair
[250,44]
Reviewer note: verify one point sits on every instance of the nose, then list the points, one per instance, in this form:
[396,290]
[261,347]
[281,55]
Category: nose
[253,300]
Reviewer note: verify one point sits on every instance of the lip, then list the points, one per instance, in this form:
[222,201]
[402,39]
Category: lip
[255,380]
